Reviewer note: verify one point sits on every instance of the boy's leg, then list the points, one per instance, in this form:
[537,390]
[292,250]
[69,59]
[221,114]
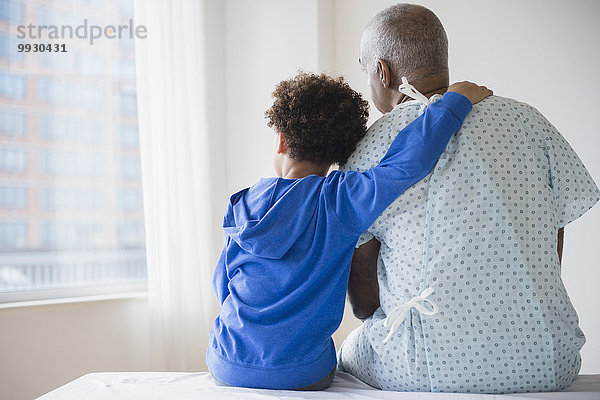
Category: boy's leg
[218,382]
[322,384]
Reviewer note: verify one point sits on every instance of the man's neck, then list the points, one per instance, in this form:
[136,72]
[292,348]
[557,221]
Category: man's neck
[437,84]
[440,91]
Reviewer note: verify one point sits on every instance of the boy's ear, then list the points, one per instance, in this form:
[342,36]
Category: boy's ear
[281,146]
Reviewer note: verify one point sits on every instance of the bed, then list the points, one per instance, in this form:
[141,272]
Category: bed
[200,386]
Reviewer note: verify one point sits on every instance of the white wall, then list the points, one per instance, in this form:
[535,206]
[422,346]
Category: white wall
[265,42]
[44,347]
[543,52]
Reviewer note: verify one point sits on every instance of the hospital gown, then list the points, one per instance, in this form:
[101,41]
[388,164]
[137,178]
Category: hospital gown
[481,231]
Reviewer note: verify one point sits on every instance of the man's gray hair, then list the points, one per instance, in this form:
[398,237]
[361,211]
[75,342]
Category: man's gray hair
[409,38]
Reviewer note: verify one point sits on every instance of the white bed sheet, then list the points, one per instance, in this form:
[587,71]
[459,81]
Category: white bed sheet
[200,386]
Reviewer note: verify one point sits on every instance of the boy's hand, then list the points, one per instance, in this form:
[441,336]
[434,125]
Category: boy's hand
[471,91]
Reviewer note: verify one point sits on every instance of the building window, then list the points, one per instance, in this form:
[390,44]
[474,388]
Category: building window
[9,49]
[130,200]
[49,15]
[12,85]
[12,160]
[130,234]
[12,123]
[130,169]
[13,197]
[72,95]
[5,46]
[129,137]
[71,209]
[127,103]
[58,163]
[11,11]
[69,129]
[76,61]
[70,199]
[12,235]
[67,235]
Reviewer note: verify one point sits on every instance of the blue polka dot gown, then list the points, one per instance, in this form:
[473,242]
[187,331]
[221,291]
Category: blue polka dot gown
[481,230]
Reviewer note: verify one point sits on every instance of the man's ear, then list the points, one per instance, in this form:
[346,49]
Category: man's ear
[383,71]
[281,146]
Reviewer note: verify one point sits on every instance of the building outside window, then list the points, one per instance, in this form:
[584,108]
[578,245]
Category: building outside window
[12,85]
[12,123]
[12,159]
[70,129]
[8,51]
[13,197]
[11,11]
[71,209]
[13,235]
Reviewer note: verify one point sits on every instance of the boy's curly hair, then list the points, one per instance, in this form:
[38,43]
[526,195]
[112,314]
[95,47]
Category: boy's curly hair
[321,118]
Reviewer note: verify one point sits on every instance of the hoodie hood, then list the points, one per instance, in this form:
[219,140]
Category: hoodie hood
[267,218]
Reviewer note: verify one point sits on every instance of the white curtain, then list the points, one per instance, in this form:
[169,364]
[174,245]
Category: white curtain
[180,177]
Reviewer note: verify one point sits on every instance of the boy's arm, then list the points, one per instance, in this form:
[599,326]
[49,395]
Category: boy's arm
[357,198]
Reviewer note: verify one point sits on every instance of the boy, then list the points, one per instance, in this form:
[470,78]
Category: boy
[282,276]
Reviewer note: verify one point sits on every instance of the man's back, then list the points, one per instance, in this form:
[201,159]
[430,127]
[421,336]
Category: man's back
[481,230]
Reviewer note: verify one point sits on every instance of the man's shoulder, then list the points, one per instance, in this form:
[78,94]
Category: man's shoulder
[506,105]
[380,135]
[388,125]
[373,146]
[497,111]
[401,115]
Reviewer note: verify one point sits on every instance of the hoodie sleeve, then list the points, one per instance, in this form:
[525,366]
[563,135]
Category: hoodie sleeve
[357,198]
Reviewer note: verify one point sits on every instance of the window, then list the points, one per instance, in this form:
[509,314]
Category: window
[130,169]
[127,69]
[12,123]
[12,235]
[69,94]
[8,48]
[5,46]
[11,11]
[71,207]
[70,235]
[129,136]
[12,160]
[127,103]
[70,129]
[130,200]
[12,197]
[12,85]
[71,199]
[70,164]
[130,234]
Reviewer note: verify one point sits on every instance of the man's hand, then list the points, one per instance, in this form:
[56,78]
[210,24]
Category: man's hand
[471,91]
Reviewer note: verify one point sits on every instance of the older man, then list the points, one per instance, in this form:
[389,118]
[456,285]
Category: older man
[458,281]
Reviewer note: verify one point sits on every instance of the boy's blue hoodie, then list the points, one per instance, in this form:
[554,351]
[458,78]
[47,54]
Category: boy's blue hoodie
[282,275]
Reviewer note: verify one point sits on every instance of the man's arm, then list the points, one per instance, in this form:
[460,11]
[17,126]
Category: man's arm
[559,247]
[363,288]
